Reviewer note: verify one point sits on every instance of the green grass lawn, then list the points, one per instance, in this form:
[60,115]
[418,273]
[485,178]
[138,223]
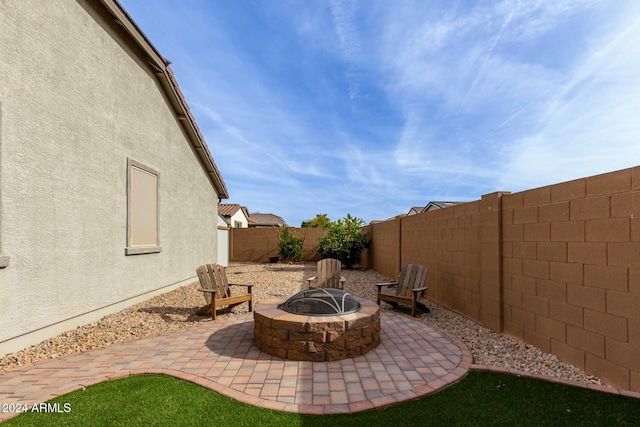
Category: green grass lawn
[479,399]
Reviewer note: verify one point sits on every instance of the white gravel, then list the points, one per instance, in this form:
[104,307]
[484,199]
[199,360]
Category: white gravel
[176,309]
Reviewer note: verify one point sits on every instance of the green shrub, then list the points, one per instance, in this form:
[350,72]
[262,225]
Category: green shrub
[290,245]
[320,221]
[345,241]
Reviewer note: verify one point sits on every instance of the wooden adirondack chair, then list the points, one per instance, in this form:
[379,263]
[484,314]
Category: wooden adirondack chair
[217,291]
[328,275]
[409,288]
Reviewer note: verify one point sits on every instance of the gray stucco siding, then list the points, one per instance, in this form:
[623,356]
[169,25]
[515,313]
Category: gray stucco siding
[77,102]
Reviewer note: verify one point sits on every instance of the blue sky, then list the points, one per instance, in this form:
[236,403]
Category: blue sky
[372,107]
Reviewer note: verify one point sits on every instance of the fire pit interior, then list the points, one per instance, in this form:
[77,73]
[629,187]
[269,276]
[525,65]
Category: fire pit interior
[321,302]
[317,325]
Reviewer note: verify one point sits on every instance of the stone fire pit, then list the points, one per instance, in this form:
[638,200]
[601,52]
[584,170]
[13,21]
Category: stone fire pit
[314,337]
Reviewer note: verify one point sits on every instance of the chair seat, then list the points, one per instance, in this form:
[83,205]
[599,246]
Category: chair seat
[409,288]
[217,291]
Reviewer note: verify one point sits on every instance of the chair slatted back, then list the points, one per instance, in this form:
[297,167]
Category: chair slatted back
[329,273]
[213,276]
[205,281]
[412,276]
[219,276]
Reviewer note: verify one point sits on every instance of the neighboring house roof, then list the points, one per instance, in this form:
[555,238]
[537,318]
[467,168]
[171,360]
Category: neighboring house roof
[265,220]
[439,205]
[419,209]
[415,210]
[376,221]
[226,209]
[163,72]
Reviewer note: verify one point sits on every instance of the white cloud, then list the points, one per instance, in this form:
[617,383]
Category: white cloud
[370,108]
[343,13]
[539,17]
[589,124]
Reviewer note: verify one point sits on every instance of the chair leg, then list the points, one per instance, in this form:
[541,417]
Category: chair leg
[213,307]
[413,305]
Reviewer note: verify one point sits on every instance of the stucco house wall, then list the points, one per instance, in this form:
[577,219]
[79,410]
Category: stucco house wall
[239,217]
[83,93]
[234,215]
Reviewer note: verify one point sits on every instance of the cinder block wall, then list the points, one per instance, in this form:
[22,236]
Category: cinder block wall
[311,238]
[571,270]
[557,267]
[384,247]
[259,244]
[447,241]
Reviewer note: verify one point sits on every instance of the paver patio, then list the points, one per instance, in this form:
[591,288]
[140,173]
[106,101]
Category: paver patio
[412,360]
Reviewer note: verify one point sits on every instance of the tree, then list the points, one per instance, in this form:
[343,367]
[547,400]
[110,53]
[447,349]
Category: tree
[345,241]
[320,221]
[290,245]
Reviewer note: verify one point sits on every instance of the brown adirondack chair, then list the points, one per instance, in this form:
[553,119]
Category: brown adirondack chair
[217,291]
[328,275]
[409,288]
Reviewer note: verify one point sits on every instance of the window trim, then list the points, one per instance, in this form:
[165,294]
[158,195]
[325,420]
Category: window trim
[140,250]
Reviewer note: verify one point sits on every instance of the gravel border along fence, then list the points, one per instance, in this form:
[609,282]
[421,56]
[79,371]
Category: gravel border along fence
[175,310]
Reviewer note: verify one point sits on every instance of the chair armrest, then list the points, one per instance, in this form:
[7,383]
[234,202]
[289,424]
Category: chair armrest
[211,291]
[309,280]
[241,284]
[419,289]
[342,279]
[388,284]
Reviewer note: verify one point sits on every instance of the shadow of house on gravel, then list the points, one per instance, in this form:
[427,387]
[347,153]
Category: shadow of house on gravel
[173,314]
[293,268]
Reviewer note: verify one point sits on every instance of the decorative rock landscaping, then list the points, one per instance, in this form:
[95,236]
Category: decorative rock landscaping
[175,310]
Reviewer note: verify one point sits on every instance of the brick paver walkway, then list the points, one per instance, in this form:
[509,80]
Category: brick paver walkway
[412,360]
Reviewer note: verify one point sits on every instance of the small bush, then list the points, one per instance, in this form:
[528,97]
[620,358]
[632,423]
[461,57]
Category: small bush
[345,241]
[290,245]
[320,221]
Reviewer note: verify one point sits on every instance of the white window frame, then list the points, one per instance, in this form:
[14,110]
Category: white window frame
[140,249]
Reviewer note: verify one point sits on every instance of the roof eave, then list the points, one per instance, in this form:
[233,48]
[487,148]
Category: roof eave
[160,66]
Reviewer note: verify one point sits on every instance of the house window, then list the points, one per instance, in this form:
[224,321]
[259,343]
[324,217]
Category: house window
[237,224]
[142,209]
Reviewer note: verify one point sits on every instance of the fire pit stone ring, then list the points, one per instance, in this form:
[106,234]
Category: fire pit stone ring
[316,338]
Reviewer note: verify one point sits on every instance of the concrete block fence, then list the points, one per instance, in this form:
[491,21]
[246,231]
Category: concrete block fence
[260,244]
[557,267]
